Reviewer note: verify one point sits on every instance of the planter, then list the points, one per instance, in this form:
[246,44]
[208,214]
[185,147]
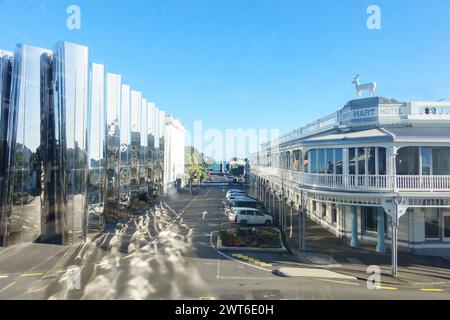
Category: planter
[281,249]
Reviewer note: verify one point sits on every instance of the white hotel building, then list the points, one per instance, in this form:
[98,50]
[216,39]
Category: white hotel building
[376,170]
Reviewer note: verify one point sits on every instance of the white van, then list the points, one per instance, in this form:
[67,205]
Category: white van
[251,215]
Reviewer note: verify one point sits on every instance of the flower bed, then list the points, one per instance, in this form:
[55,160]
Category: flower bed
[261,238]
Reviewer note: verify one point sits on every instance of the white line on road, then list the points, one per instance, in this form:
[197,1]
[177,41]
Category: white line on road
[341,282]
[8,286]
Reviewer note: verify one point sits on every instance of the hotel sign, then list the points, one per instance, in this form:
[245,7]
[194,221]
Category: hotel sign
[375,114]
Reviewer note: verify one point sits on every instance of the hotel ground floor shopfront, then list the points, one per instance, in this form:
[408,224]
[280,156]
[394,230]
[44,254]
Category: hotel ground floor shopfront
[423,226]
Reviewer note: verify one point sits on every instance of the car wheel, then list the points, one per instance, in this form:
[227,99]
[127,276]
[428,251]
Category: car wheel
[268,223]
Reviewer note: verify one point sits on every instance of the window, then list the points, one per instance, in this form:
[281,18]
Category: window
[441,161]
[297,160]
[447,224]
[408,161]
[371,161]
[334,215]
[330,161]
[361,161]
[314,205]
[352,161]
[370,219]
[306,163]
[324,210]
[382,161]
[322,163]
[338,161]
[432,224]
[313,165]
[425,154]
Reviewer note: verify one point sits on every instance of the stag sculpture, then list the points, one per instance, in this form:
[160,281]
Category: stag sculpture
[360,88]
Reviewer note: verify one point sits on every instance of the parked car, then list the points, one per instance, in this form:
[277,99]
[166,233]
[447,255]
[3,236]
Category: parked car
[243,203]
[251,216]
[235,191]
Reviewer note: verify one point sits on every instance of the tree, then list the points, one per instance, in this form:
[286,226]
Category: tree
[196,171]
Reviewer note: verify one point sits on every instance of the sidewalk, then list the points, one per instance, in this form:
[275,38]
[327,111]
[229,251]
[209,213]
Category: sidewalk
[323,248]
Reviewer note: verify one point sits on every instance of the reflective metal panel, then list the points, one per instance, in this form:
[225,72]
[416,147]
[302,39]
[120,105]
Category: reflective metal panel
[97,148]
[151,114]
[113,109]
[5,91]
[125,146]
[25,138]
[71,94]
[162,131]
[143,188]
[136,102]
[157,169]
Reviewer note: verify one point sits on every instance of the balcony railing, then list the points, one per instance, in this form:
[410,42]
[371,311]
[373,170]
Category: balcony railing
[371,183]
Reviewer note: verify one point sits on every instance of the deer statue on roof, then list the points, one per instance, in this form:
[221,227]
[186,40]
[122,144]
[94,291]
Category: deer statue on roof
[360,88]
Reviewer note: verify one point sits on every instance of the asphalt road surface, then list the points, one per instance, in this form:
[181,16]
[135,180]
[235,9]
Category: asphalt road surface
[171,254]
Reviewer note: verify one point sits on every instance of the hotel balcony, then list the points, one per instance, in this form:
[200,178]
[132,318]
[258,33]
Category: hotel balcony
[366,183]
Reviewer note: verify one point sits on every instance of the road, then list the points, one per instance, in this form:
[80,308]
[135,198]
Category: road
[172,256]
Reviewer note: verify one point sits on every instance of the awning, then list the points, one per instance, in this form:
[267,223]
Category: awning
[375,135]
[420,134]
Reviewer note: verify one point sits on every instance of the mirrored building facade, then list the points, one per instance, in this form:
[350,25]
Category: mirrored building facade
[78,148]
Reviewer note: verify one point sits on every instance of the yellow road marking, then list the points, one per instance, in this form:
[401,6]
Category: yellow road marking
[206,298]
[432,290]
[37,274]
[387,288]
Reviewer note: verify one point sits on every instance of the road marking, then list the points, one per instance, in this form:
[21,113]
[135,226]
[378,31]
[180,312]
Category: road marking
[129,256]
[8,286]
[206,298]
[204,215]
[36,274]
[341,282]
[432,290]
[387,288]
[3,276]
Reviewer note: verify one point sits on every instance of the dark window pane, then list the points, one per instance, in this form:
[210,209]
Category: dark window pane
[338,161]
[322,164]
[432,224]
[352,161]
[441,161]
[313,165]
[382,161]
[408,161]
[330,161]
[361,161]
[370,219]
[371,161]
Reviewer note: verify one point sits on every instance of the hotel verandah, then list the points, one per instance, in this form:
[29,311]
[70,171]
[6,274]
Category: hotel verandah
[358,169]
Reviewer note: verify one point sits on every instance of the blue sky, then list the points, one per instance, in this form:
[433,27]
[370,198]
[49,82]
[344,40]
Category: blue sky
[250,64]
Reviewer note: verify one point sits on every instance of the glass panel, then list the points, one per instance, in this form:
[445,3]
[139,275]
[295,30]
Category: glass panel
[322,162]
[382,161]
[361,161]
[425,154]
[352,161]
[447,225]
[408,161]
[371,161]
[330,161]
[313,156]
[432,223]
[151,148]
[306,166]
[441,161]
[339,161]
[370,218]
